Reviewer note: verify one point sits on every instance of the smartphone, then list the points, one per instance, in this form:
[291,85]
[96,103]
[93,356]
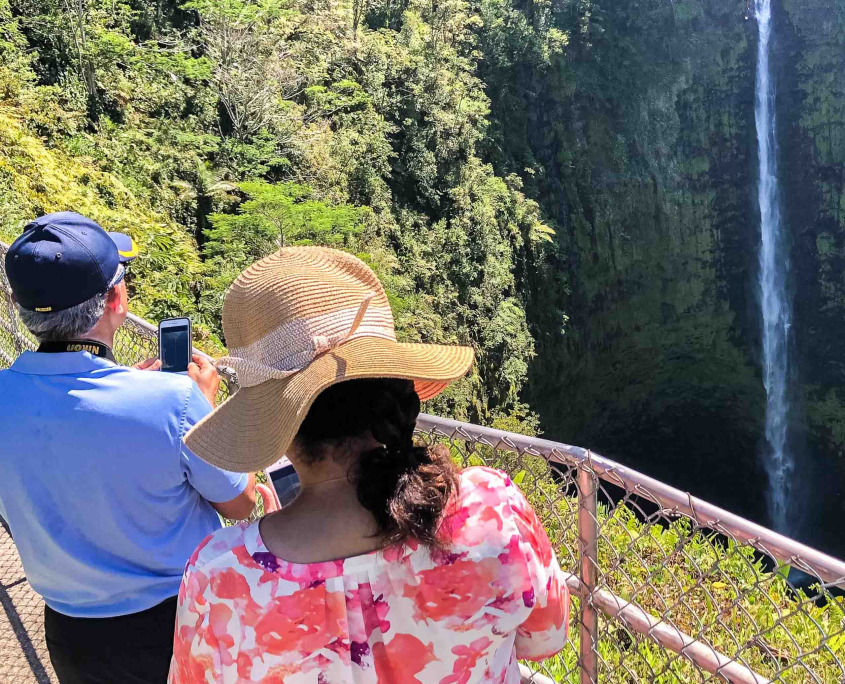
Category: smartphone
[174,344]
[284,480]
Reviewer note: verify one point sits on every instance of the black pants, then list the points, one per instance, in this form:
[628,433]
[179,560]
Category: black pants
[129,649]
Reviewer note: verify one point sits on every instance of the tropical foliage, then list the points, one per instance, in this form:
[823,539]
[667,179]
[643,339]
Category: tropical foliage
[216,131]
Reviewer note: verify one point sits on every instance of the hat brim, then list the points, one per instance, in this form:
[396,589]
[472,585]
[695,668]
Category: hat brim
[256,426]
[127,250]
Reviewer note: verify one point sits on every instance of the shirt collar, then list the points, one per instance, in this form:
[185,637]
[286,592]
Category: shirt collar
[96,348]
[65,363]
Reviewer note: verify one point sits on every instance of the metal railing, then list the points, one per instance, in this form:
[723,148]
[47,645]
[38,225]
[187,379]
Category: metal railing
[666,588]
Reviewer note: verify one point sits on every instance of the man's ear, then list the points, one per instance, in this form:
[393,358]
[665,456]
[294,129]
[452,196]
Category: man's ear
[113,297]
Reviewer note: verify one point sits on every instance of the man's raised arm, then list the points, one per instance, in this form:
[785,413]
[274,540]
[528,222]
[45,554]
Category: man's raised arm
[239,508]
[231,494]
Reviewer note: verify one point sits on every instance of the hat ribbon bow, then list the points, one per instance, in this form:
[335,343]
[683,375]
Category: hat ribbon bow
[252,373]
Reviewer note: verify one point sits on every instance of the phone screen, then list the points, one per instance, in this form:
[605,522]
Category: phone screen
[285,482]
[175,347]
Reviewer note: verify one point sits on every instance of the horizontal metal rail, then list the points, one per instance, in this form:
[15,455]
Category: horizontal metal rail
[665,634]
[671,500]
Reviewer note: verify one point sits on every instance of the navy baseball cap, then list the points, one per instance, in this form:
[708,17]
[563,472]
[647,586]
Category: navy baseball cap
[61,260]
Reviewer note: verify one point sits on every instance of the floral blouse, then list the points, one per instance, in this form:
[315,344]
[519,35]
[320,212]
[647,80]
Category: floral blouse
[402,615]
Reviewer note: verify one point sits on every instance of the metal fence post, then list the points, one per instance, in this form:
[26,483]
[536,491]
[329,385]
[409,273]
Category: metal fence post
[588,533]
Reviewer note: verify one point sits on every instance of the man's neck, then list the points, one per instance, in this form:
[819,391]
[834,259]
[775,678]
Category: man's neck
[107,340]
[103,336]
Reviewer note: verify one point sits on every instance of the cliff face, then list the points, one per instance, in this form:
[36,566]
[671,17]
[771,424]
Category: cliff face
[650,173]
[812,125]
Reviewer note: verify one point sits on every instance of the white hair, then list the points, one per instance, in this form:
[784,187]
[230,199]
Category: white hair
[69,324]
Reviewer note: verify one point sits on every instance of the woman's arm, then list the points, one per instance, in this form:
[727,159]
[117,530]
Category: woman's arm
[544,632]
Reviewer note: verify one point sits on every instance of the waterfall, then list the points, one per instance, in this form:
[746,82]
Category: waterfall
[774,267]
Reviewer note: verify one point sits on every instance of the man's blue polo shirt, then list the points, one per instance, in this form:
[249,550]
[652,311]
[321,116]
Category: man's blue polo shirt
[104,501]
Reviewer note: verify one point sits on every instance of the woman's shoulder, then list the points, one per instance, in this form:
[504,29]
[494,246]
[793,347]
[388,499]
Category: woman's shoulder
[482,476]
[220,543]
[480,484]
[482,513]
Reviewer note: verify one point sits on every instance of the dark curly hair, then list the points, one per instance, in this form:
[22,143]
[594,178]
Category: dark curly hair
[405,486]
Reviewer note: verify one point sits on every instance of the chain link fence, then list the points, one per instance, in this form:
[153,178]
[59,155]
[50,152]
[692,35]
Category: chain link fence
[667,589]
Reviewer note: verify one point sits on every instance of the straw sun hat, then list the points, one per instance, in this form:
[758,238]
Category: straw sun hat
[296,322]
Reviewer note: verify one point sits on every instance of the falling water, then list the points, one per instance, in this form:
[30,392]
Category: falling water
[776,307]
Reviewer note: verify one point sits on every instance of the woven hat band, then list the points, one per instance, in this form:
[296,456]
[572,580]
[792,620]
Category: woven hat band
[263,360]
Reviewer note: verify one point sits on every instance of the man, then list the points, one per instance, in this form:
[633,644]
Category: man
[104,501]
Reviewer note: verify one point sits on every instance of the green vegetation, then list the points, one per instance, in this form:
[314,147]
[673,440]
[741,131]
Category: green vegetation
[514,170]
[217,131]
[274,216]
[709,589]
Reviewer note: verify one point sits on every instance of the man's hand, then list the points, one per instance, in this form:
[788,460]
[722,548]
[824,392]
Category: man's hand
[149,364]
[203,372]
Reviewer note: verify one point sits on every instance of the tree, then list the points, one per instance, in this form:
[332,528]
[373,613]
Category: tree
[253,71]
[273,216]
[277,216]
[255,124]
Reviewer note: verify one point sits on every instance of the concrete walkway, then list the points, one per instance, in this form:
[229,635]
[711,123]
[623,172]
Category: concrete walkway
[23,652]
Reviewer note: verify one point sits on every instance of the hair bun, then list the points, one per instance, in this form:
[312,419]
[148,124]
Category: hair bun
[405,487]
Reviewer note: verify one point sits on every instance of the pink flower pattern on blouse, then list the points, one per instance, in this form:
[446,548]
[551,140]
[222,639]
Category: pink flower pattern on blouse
[402,615]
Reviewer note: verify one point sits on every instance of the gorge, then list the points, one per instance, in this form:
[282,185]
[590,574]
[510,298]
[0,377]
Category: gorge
[655,186]
[584,190]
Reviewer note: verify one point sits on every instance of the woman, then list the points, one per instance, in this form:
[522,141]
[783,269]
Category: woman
[390,565]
